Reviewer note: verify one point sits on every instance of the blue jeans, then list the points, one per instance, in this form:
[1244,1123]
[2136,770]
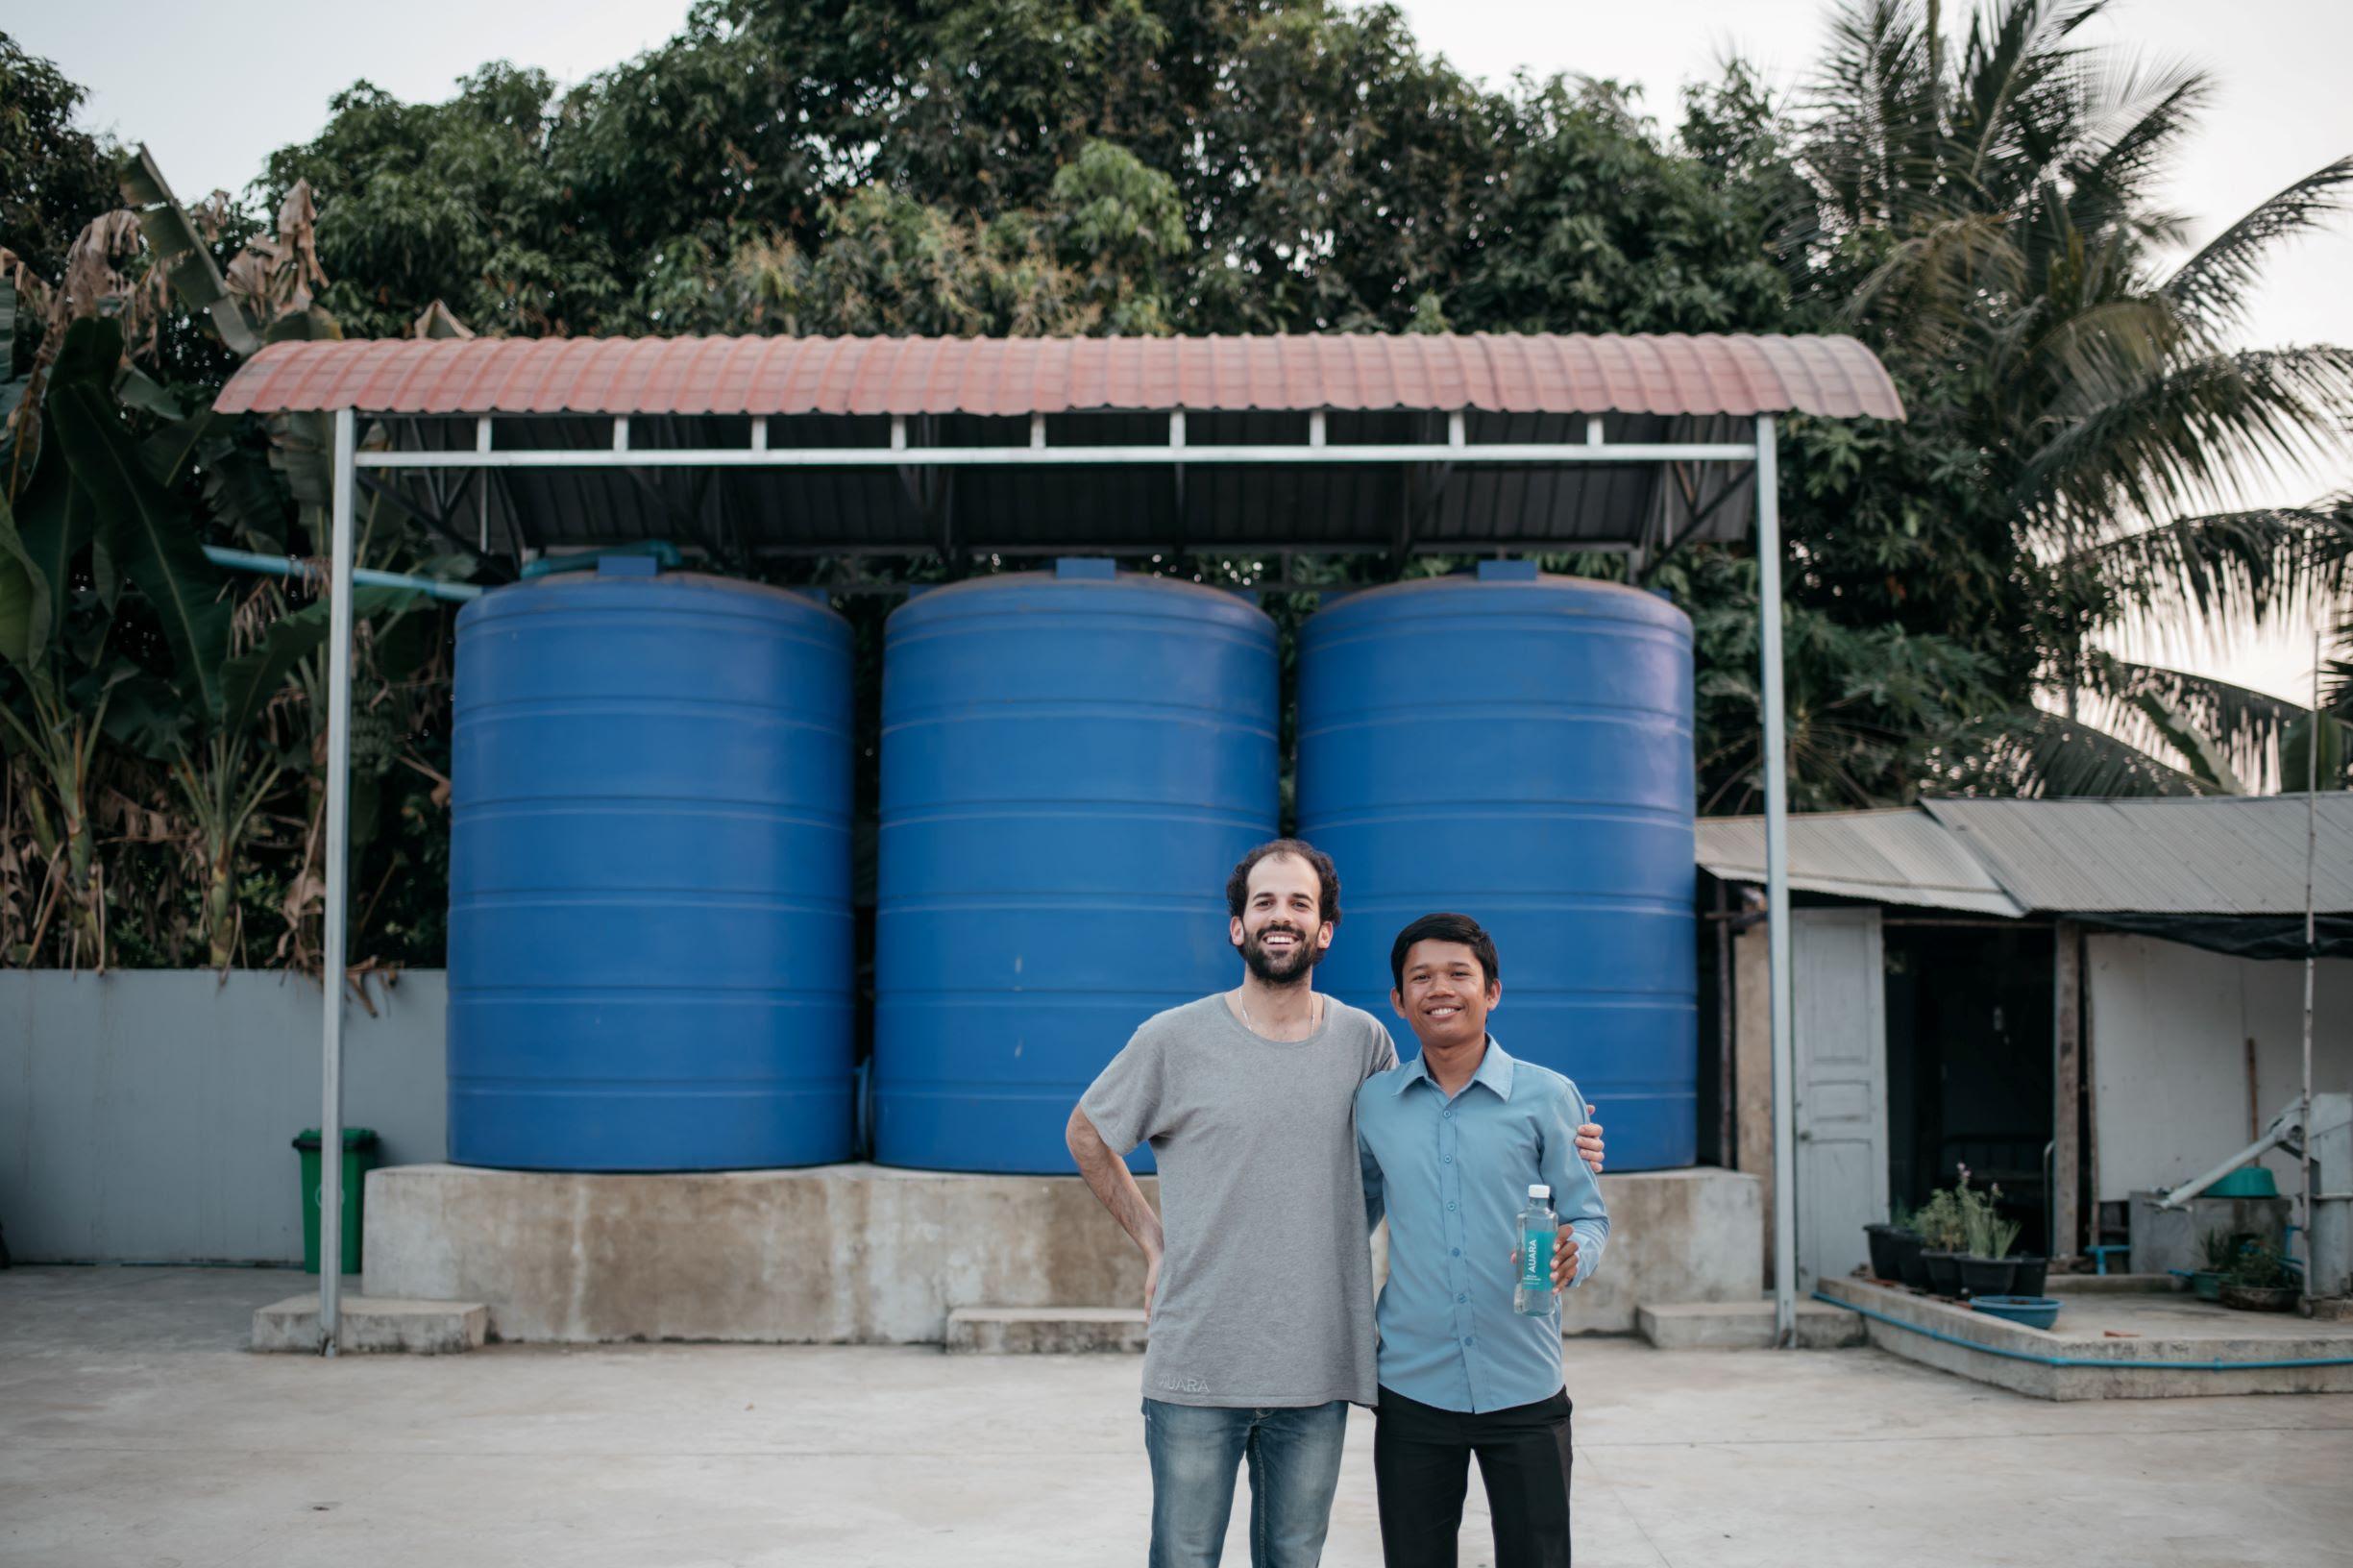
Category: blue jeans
[1295,1457]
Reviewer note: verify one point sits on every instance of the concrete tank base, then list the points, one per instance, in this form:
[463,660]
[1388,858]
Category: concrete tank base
[869,1254]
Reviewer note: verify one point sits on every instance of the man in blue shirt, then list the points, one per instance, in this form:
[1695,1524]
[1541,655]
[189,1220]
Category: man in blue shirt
[1451,1141]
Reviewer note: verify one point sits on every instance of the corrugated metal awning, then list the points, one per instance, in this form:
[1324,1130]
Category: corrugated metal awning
[1894,857]
[749,447]
[1496,373]
[2193,856]
[2209,855]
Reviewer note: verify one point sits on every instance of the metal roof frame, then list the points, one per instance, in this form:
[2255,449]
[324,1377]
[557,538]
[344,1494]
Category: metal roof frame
[1672,376]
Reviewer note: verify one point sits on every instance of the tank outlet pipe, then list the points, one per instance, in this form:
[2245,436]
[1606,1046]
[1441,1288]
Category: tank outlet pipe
[1942,1337]
[2286,1131]
[281,566]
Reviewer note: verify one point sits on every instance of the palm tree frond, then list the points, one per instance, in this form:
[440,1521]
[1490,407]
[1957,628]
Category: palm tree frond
[2047,757]
[2246,564]
[2139,112]
[2241,729]
[2185,435]
[2212,287]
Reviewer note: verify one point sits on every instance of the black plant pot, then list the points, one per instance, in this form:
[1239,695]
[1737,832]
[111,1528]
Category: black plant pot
[1882,1239]
[1944,1272]
[1908,1267]
[1990,1276]
[2032,1275]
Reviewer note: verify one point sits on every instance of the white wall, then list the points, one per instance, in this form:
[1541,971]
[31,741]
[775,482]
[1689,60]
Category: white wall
[146,1115]
[2169,1026]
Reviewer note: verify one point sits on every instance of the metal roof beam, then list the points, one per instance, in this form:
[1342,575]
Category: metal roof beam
[1538,453]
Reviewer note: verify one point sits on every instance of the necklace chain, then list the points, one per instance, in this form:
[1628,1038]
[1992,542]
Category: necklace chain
[1250,1023]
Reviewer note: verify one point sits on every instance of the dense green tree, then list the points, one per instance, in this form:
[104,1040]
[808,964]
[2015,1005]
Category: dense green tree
[1987,217]
[1980,209]
[55,177]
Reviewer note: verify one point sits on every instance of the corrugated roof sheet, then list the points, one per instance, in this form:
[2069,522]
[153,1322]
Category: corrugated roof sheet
[2190,856]
[1577,374]
[1896,857]
[2196,856]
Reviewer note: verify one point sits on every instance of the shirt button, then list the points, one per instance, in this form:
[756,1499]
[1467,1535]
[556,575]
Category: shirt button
[1446,1159]
[1468,1340]
[1457,1252]
[1450,1208]
[1464,1297]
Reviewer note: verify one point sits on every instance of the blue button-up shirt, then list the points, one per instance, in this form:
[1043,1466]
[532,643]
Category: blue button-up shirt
[1453,1176]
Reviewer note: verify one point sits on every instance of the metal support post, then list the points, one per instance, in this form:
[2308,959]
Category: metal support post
[2311,948]
[1777,891]
[333,961]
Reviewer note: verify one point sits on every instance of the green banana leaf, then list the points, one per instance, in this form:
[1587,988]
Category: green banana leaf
[147,534]
[52,520]
[145,715]
[24,598]
[249,680]
[188,262]
[137,390]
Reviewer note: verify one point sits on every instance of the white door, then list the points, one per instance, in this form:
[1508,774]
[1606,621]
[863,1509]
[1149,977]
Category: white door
[1841,1045]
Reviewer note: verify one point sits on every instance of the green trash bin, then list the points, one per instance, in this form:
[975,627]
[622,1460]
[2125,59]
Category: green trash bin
[359,1159]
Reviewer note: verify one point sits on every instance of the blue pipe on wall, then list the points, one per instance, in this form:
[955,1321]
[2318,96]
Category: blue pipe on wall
[2079,1360]
[281,566]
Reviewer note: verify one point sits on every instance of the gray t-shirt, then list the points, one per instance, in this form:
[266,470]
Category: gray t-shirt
[1265,1294]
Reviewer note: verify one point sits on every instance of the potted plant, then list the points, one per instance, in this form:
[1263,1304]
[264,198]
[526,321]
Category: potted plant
[2260,1280]
[1905,1244]
[1987,1268]
[1891,1240]
[1941,1235]
[2218,1250]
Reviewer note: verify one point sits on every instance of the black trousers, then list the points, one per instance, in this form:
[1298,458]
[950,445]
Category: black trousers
[1421,1461]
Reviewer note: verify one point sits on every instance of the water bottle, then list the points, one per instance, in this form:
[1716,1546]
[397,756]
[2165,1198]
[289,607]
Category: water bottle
[1535,1295]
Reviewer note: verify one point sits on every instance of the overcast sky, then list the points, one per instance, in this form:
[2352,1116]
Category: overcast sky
[212,90]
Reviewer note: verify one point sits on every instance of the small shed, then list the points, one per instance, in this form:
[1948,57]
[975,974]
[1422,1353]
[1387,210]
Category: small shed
[2080,999]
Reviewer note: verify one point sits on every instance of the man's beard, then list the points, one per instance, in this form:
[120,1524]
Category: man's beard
[1276,970]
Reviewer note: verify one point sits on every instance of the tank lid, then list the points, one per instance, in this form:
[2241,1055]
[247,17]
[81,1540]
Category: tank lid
[643,558]
[1086,568]
[1506,570]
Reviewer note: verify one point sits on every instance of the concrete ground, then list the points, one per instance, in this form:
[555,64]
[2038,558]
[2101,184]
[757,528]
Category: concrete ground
[135,1429]
[2180,1315]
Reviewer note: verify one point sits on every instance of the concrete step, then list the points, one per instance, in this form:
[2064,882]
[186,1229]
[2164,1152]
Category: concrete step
[1043,1331]
[1745,1325]
[374,1325]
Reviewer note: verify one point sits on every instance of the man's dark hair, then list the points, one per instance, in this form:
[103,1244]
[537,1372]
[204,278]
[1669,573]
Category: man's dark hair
[1238,885]
[1459,928]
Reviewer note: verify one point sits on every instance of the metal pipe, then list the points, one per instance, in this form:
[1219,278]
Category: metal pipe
[281,566]
[2288,1126]
[2311,839]
[332,963]
[1942,1336]
[1023,456]
[1728,1082]
[1776,892]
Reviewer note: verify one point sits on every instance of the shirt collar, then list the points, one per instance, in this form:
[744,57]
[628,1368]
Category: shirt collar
[1494,1071]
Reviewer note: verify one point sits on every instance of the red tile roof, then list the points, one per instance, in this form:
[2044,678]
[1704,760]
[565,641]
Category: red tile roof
[1573,374]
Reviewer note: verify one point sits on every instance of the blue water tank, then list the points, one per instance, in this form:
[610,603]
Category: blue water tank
[1518,749]
[1071,764]
[650,924]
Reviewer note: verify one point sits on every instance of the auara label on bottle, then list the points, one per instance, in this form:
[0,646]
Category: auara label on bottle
[1537,1260]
